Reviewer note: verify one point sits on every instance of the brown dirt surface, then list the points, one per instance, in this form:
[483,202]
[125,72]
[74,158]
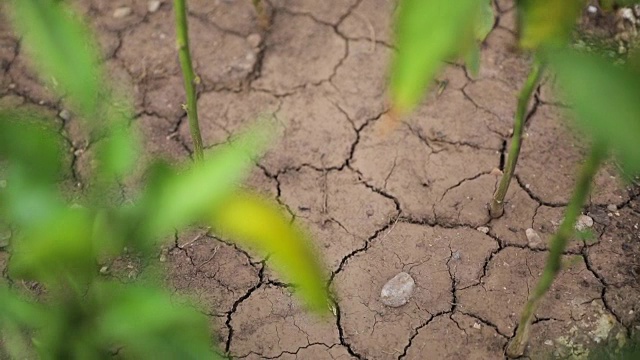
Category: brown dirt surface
[377,197]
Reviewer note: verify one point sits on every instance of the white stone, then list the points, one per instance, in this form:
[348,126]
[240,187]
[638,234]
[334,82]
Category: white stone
[397,291]
[584,222]
[154,5]
[532,237]
[592,9]
[477,326]
[483,229]
[121,12]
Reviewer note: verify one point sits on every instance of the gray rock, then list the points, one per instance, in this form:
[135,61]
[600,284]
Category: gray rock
[397,291]
[584,222]
[612,207]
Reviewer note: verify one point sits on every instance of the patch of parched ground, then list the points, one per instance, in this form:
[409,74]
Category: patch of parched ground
[209,271]
[8,50]
[148,51]
[231,16]
[416,170]
[371,20]
[509,278]
[456,337]
[298,51]
[223,114]
[338,210]
[360,81]
[552,152]
[500,61]
[616,260]
[324,11]
[271,323]
[437,258]
[311,131]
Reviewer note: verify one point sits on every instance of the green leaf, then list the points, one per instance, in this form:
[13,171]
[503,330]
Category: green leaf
[174,201]
[148,324]
[605,100]
[62,49]
[428,32]
[547,22]
[252,221]
[486,20]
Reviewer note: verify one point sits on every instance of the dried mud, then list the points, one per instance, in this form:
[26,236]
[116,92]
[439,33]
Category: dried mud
[378,197]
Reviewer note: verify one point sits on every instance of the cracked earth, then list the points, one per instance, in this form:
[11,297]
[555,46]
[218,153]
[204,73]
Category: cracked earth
[378,199]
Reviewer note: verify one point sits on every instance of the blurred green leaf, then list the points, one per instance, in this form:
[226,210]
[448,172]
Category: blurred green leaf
[32,144]
[147,324]
[250,220]
[547,22]
[62,49]
[472,60]
[605,100]
[428,32]
[54,251]
[486,20]
[175,201]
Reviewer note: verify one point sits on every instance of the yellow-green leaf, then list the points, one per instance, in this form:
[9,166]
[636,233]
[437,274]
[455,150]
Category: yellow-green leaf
[253,221]
[547,22]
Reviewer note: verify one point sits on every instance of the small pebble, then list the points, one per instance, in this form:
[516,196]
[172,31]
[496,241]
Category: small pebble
[496,172]
[548,342]
[612,207]
[477,326]
[397,291]
[153,6]
[121,12]
[370,213]
[533,237]
[483,229]
[65,114]
[456,255]
[592,9]
[584,222]
[104,270]
[254,40]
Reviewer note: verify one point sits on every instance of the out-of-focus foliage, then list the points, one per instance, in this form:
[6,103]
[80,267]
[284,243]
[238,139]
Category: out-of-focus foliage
[428,33]
[613,119]
[271,233]
[544,23]
[54,33]
[83,314]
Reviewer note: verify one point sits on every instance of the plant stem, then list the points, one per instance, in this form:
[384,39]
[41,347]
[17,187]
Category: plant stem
[559,241]
[497,203]
[190,79]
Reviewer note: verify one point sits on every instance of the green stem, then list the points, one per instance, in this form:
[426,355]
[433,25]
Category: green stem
[559,241]
[190,79]
[497,203]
